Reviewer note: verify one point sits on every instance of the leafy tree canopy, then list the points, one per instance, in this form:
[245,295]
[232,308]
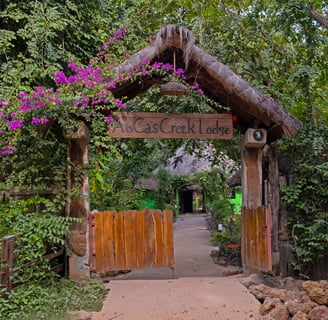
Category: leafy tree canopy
[48,81]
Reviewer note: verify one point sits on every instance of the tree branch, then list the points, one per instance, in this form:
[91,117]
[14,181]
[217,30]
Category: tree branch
[317,17]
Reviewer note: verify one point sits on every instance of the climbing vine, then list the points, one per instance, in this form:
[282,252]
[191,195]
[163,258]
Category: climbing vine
[306,196]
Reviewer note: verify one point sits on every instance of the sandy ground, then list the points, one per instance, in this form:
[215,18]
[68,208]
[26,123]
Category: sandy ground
[196,290]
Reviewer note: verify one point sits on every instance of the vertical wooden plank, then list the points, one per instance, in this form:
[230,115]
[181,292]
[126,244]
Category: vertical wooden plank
[149,239]
[140,241]
[92,256]
[119,241]
[264,239]
[259,238]
[130,239]
[168,234]
[268,239]
[252,177]
[252,240]
[108,240]
[10,263]
[262,234]
[274,199]
[249,235]
[159,244]
[243,237]
[285,252]
[255,240]
[3,263]
[99,248]
[247,231]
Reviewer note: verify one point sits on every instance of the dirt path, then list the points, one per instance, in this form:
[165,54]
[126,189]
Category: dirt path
[196,291]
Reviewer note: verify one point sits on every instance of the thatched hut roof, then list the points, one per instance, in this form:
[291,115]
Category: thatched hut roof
[218,81]
[235,179]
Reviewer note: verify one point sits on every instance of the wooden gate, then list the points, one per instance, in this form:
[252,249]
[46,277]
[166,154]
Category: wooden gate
[131,240]
[256,239]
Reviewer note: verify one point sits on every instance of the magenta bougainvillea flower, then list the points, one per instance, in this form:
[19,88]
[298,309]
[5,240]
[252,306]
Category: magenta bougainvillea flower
[38,121]
[80,93]
[15,124]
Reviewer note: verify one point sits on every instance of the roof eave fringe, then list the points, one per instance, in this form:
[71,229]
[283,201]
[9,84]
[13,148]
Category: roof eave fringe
[167,36]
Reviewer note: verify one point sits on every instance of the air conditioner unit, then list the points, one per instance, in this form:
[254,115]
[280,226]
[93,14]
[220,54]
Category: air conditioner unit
[255,138]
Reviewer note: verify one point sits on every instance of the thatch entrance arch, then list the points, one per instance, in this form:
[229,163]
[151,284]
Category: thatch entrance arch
[255,112]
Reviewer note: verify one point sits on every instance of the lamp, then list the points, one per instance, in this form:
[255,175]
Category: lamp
[258,135]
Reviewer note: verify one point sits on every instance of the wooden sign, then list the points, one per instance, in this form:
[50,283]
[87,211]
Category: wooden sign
[171,125]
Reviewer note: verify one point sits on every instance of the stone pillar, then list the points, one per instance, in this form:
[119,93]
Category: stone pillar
[78,206]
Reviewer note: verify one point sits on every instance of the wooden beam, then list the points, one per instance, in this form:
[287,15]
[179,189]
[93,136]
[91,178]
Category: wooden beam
[78,206]
[274,201]
[252,154]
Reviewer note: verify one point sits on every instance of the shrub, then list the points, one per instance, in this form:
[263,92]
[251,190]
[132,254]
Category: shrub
[52,299]
[306,196]
[229,247]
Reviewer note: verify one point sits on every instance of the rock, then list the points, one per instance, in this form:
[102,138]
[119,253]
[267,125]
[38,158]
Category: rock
[253,279]
[280,312]
[214,253]
[271,281]
[232,272]
[261,291]
[300,316]
[278,293]
[258,294]
[298,296]
[295,307]
[268,305]
[291,284]
[220,262]
[318,291]
[319,313]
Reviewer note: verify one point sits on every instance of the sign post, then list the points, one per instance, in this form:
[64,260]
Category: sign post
[171,125]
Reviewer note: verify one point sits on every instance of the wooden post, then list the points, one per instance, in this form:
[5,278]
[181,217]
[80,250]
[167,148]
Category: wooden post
[274,202]
[251,178]
[78,206]
[285,251]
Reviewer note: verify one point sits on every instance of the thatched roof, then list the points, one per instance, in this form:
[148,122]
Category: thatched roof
[235,179]
[182,163]
[218,81]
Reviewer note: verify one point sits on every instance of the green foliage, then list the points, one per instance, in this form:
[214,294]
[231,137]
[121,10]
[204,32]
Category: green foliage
[29,169]
[231,254]
[164,194]
[111,186]
[39,37]
[277,46]
[52,299]
[306,196]
[284,56]
[42,231]
[217,192]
